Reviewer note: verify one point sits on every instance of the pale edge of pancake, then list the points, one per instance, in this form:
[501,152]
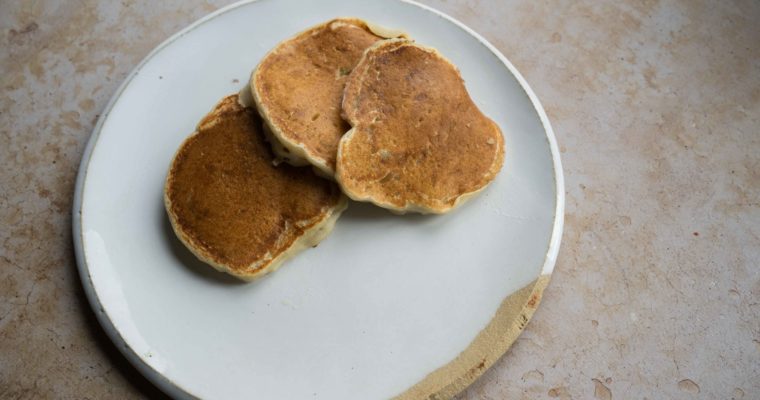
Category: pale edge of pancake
[282,154]
[413,207]
[310,238]
[295,153]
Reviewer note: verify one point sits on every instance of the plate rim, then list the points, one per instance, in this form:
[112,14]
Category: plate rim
[175,390]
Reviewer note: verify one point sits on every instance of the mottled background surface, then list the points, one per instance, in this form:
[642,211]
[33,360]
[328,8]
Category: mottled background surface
[656,107]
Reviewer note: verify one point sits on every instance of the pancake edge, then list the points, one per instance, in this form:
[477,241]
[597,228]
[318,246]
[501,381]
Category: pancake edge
[310,237]
[411,206]
[297,154]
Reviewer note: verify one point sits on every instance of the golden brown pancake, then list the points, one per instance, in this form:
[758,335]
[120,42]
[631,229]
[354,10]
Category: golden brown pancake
[298,89]
[233,208]
[418,142]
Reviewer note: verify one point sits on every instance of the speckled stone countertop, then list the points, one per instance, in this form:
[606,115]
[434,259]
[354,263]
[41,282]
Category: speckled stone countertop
[656,107]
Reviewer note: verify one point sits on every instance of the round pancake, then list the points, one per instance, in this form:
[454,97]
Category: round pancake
[418,142]
[233,208]
[298,87]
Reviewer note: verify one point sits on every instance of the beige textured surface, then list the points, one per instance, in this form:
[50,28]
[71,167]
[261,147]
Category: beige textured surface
[489,345]
[656,106]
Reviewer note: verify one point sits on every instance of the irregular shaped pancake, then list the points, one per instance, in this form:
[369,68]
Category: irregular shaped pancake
[235,210]
[418,141]
[298,89]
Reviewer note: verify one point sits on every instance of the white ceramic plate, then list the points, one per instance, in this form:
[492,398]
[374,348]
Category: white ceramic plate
[386,306]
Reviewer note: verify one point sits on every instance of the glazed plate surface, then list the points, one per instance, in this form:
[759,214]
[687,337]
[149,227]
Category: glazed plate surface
[386,306]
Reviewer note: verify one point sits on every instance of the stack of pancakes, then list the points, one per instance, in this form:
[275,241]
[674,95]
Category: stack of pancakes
[345,108]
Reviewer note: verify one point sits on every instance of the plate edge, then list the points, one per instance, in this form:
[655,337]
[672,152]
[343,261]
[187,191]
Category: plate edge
[164,384]
[531,303]
[175,390]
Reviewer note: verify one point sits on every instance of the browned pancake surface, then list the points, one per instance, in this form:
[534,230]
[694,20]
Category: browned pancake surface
[298,86]
[229,204]
[418,143]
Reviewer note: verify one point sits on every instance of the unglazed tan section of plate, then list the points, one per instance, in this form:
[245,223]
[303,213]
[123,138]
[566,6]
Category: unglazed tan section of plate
[408,335]
[490,344]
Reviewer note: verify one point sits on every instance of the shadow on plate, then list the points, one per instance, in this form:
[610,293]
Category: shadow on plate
[357,212]
[368,212]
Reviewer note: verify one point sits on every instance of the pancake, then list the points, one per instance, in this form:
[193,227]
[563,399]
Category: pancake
[298,89]
[233,208]
[418,142]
